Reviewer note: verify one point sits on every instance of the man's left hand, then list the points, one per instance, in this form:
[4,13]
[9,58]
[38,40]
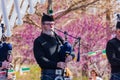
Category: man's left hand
[68,58]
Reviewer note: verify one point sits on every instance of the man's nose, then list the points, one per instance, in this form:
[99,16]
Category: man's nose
[51,26]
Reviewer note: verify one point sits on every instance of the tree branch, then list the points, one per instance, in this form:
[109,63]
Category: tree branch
[72,8]
[30,21]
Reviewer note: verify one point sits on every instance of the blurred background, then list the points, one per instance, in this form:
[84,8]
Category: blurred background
[93,21]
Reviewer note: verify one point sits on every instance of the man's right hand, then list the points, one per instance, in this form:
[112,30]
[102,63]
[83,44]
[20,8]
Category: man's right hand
[61,65]
[5,64]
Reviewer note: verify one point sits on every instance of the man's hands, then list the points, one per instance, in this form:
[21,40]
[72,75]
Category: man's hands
[63,65]
[5,64]
[68,58]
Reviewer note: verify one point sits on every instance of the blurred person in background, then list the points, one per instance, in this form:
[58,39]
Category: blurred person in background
[113,53]
[5,54]
[94,75]
[47,48]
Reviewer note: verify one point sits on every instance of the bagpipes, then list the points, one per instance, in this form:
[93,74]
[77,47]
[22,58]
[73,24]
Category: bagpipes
[5,44]
[67,48]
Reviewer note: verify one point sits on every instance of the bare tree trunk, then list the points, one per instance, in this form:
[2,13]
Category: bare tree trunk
[108,19]
[83,8]
[108,11]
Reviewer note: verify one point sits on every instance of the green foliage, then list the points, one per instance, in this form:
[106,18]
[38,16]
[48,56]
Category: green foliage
[34,74]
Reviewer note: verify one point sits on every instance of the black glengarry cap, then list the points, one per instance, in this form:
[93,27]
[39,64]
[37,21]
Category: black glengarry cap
[46,17]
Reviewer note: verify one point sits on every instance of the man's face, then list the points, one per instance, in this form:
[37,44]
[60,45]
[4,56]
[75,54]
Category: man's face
[48,25]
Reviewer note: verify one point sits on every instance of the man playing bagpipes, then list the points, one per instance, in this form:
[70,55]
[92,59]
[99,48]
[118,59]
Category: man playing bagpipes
[51,52]
[5,54]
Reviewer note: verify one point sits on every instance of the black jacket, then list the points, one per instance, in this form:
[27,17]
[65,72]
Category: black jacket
[46,51]
[113,54]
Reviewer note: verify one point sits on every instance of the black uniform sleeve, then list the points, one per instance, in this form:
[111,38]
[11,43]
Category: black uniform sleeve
[39,54]
[0,64]
[110,51]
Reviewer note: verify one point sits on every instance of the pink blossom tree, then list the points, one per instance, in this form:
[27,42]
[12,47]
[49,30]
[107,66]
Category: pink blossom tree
[91,29]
